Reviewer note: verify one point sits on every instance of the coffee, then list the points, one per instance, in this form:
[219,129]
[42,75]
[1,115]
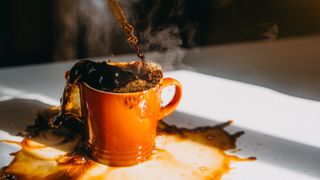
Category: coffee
[114,77]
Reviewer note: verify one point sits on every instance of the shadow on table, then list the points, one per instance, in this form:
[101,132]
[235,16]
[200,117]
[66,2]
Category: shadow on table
[17,114]
[273,150]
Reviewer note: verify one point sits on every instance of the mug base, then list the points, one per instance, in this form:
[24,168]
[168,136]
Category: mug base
[118,159]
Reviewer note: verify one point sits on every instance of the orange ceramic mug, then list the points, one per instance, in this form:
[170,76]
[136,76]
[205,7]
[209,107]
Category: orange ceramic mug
[122,127]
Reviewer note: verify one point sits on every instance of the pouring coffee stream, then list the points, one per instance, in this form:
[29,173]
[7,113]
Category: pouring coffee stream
[128,28]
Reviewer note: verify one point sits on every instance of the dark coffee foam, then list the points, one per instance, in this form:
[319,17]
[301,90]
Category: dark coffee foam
[114,77]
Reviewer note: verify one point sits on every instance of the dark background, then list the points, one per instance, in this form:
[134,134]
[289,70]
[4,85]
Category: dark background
[28,33]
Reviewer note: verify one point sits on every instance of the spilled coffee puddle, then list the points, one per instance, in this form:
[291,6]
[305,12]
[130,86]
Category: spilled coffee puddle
[58,153]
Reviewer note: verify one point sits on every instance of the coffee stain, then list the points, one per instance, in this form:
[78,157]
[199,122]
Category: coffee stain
[180,153]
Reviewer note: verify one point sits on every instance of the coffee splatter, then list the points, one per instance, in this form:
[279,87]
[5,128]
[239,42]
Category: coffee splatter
[180,153]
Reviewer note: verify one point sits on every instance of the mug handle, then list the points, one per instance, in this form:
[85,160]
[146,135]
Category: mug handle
[172,105]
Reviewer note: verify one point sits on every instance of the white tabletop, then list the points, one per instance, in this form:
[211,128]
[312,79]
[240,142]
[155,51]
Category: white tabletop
[285,124]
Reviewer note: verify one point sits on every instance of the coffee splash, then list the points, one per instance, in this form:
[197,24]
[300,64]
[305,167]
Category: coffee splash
[107,76]
[58,153]
[114,77]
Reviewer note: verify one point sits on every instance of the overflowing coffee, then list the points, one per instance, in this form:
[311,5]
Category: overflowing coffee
[109,77]
[114,77]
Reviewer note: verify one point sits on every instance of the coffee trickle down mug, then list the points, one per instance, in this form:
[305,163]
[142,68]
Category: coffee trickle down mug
[121,127]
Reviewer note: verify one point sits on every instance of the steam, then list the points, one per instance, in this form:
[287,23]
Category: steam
[97,22]
[91,24]
[82,29]
[165,41]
